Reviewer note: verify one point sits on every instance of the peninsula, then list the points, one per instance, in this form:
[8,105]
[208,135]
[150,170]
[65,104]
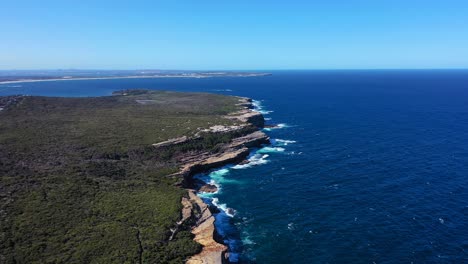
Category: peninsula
[109,179]
[15,76]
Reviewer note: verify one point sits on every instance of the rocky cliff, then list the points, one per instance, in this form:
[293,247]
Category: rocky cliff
[235,151]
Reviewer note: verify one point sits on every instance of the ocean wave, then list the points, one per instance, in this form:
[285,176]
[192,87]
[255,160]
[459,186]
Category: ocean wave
[277,126]
[265,112]
[207,195]
[223,207]
[254,160]
[259,157]
[281,142]
[257,104]
[270,150]
[218,177]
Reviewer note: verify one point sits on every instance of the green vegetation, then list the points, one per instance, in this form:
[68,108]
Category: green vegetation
[80,182]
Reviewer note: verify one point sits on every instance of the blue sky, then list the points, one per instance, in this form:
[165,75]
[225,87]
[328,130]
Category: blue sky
[206,34]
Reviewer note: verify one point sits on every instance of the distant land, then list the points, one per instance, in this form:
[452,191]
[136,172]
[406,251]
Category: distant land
[19,76]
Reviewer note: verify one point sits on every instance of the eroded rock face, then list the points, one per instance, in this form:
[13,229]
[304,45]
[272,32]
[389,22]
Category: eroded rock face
[254,139]
[244,162]
[213,252]
[208,188]
[255,118]
[249,116]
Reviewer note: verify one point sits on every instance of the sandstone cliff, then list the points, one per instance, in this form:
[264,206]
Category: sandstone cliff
[233,152]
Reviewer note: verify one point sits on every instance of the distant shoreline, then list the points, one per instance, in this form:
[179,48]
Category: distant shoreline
[196,76]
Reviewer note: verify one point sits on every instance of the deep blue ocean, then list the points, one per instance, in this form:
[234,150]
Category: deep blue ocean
[367,167]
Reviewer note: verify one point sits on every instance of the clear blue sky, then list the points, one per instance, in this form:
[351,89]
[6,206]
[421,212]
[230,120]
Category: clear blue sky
[236,34]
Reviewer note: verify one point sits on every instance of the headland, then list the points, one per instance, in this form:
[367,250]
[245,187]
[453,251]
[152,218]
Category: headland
[80,174]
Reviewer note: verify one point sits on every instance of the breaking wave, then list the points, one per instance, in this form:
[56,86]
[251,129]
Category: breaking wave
[278,126]
[281,142]
[259,107]
[254,160]
[223,207]
[271,150]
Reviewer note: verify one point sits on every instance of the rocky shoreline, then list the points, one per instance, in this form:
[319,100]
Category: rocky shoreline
[72,172]
[236,151]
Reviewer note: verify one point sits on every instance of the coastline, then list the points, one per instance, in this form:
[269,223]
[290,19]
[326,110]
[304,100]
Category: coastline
[234,152]
[195,76]
[220,137]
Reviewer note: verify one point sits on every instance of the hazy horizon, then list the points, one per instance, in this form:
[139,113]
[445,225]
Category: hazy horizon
[238,70]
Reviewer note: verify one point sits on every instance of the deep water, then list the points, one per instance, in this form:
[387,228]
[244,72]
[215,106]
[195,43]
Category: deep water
[369,166]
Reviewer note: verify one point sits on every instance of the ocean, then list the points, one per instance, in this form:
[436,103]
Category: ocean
[365,167]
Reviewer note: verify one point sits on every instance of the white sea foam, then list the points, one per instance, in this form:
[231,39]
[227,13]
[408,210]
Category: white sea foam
[228,211]
[278,126]
[207,195]
[218,177]
[282,142]
[259,107]
[259,158]
[270,150]
[254,160]
[265,112]
[257,104]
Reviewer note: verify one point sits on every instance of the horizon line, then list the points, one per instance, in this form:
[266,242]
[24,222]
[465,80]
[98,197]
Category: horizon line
[232,70]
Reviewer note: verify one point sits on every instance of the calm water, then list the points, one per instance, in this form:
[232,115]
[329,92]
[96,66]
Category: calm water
[370,166]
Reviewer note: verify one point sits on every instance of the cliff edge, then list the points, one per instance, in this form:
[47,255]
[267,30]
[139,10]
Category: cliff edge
[234,151]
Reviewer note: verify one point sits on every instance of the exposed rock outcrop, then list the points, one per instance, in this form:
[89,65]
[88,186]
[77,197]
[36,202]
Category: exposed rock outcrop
[205,232]
[208,188]
[248,116]
[172,142]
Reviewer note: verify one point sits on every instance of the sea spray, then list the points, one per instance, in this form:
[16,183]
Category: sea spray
[259,107]
[271,150]
[277,126]
[254,160]
[281,142]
